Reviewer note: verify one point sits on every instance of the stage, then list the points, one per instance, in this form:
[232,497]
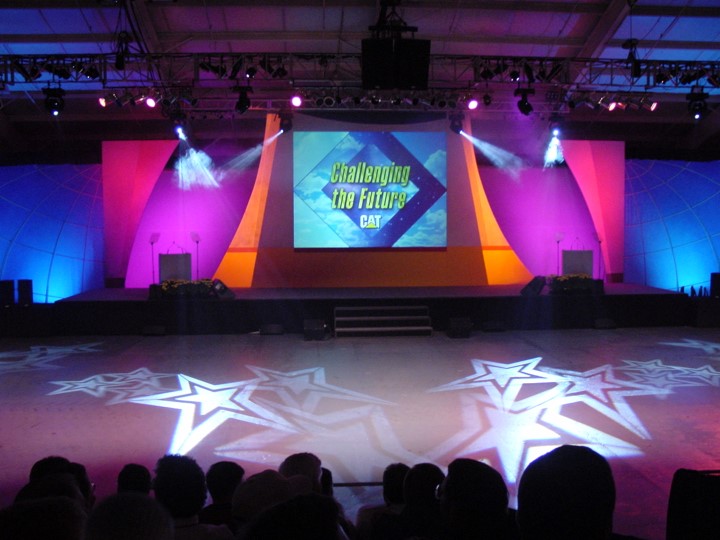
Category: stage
[646,398]
[120,311]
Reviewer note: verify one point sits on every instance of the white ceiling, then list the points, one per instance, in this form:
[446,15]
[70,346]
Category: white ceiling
[319,43]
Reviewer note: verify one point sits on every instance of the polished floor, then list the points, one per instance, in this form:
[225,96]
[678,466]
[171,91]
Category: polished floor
[646,398]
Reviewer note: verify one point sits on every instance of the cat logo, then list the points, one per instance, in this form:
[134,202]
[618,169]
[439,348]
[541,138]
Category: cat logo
[371,221]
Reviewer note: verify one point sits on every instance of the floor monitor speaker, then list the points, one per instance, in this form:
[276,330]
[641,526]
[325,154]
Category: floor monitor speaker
[535,287]
[25,292]
[459,327]
[314,329]
[7,292]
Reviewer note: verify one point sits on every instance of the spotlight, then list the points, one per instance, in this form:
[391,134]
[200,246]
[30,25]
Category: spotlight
[514,75]
[328,101]
[296,100]
[523,104]
[648,104]
[152,99]
[661,77]
[220,70]
[30,73]
[486,74]
[250,72]
[500,67]
[487,100]
[243,102]
[90,72]
[60,71]
[696,102]
[607,103]
[285,122]
[472,104]
[456,123]
[54,101]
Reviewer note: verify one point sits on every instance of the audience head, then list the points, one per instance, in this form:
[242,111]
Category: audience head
[566,494]
[393,481]
[421,483]
[263,490]
[305,517]
[303,464]
[52,485]
[87,488]
[475,499]
[59,518]
[129,516]
[49,465]
[222,479]
[179,485]
[134,478]
[326,482]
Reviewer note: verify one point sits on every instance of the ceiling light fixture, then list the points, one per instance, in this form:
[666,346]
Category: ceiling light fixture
[523,104]
[54,101]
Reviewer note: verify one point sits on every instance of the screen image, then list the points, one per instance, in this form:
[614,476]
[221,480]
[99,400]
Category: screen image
[365,189]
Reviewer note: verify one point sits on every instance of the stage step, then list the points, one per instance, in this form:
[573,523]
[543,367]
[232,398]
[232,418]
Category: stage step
[382,321]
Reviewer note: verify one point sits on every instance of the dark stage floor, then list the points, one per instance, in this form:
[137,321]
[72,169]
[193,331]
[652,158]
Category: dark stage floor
[647,398]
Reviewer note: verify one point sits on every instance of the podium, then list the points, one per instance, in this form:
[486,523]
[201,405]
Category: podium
[176,266]
[577,261]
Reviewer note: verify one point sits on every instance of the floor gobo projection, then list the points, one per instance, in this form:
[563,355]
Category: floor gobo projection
[505,411]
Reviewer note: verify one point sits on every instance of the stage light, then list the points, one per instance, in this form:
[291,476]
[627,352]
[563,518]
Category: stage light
[649,104]
[328,101]
[250,72]
[54,101]
[553,152]
[152,98]
[279,72]
[523,104]
[487,100]
[662,76]
[296,100]
[500,67]
[285,122]
[456,123]
[632,60]
[472,104]
[90,72]
[30,73]
[486,74]
[696,102]
[514,75]
[60,71]
[243,102]
[607,103]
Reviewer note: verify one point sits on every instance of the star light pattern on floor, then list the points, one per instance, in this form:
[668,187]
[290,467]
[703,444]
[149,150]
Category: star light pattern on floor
[41,357]
[510,413]
[707,347]
[123,387]
[508,423]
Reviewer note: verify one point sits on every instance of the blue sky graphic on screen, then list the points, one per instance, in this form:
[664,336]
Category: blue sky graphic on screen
[370,189]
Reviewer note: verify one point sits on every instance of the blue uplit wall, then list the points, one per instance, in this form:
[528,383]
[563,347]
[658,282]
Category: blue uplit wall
[672,223]
[51,228]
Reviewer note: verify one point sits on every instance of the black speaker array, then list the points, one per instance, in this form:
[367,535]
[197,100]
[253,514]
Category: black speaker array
[395,64]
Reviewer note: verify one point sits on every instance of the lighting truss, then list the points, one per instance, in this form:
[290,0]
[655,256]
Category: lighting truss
[451,78]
